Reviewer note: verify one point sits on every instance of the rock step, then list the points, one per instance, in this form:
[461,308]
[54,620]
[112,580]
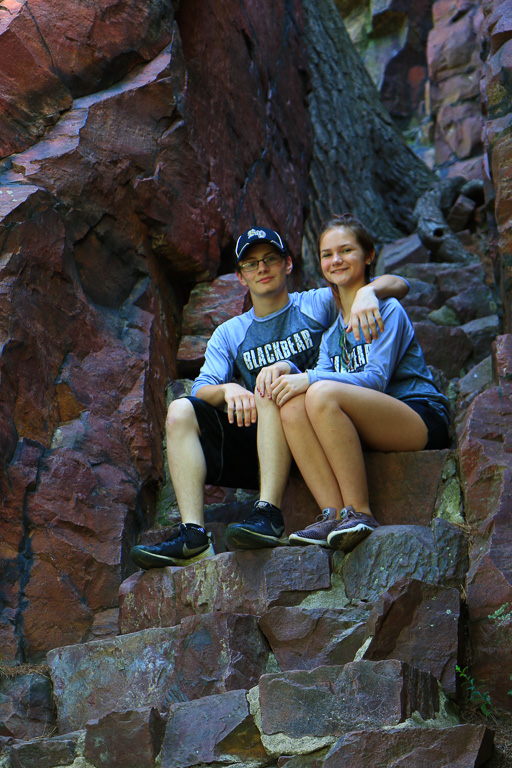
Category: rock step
[403,489]
[359,714]
[269,653]
[254,581]
[207,637]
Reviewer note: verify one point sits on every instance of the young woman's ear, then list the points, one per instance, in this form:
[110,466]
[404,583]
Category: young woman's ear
[289,265]
[369,257]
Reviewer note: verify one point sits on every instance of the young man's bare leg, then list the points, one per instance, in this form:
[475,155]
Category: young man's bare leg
[265,526]
[187,467]
[185,457]
[273,452]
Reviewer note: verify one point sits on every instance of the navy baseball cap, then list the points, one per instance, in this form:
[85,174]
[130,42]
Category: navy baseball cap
[257,235]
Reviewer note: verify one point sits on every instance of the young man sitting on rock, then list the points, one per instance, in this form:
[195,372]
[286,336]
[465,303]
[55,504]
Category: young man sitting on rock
[229,433]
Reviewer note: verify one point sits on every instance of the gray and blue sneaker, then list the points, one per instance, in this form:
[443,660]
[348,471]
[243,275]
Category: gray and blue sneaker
[352,528]
[317,532]
[188,544]
[263,528]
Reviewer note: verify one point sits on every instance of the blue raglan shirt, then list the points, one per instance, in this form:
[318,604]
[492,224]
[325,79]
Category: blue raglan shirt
[393,363]
[239,348]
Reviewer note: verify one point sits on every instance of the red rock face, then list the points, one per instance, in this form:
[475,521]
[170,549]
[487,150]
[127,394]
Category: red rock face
[485,438]
[136,193]
[454,67]
[52,52]
[498,145]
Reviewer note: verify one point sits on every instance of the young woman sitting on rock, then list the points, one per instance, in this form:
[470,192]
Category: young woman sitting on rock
[378,396]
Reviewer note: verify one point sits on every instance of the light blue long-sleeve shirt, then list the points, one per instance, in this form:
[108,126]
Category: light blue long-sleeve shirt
[393,363]
[243,345]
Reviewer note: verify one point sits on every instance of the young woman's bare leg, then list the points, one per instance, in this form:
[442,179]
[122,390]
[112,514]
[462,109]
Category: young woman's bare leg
[343,416]
[309,454]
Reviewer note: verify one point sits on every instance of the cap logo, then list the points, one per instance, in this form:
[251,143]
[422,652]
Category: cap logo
[256,233]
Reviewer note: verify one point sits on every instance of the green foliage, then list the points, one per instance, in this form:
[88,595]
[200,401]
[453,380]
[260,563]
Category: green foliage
[480,699]
[502,616]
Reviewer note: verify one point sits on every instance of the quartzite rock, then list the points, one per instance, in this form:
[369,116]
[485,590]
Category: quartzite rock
[303,711]
[305,638]
[392,552]
[446,348]
[402,489]
[485,439]
[209,305]
[240,582]
[129,739]
[417,623]
[53,50]
[216,729]
[136,192]
[26,705]
[205,655]
[461,746]
[45,752]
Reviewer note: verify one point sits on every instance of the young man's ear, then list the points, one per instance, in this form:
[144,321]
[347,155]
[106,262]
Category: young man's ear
[289,265]
[240,278]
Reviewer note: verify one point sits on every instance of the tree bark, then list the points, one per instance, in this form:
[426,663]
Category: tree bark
[360,161]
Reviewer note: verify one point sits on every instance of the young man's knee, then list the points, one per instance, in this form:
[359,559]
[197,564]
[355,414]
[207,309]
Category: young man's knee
[181,415]
[264,404]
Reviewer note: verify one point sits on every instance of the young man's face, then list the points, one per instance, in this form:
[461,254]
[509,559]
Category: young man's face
[264,279]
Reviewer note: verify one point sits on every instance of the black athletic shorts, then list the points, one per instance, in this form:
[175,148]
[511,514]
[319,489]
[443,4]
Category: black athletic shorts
[230,451]
[437,426]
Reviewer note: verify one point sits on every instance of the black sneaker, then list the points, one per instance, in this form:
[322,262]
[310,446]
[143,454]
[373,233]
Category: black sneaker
[185,546]
[263,528]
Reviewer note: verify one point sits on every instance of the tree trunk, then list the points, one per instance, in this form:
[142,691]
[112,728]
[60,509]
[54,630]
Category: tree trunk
[360,161]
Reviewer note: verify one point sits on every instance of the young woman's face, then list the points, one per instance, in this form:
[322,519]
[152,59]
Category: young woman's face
[342,259]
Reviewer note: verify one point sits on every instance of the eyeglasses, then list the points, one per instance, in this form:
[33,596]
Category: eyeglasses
[252,266]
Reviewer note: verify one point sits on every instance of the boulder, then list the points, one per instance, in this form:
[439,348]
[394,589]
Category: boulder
[129,739]
[216,729]
[298,712]
[459,746]
[407,250]
[248,582]
[155,667]
[417,623]
[305,638]
[209,305]
[436,555]
[485,436]
[45,752]
[482,332]
[26,705]
[444,347]
[402,487]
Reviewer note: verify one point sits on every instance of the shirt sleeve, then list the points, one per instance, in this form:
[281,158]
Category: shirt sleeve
[385,353]
[218,366]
